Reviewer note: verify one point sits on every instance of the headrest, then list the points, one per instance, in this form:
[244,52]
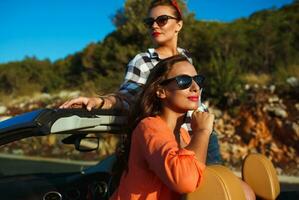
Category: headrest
[259,173]
[218,183]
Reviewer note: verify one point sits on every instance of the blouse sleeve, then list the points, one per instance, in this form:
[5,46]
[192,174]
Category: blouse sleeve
[177,167]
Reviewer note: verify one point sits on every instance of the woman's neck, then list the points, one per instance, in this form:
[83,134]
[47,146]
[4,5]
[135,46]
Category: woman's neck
[174,120]
[165,51]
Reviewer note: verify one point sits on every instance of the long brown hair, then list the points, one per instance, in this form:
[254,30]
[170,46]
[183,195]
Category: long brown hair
[147,105]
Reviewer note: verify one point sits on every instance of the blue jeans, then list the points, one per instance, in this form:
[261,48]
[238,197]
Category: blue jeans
[213,155]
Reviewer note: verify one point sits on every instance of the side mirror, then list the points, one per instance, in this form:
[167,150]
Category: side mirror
[87,144]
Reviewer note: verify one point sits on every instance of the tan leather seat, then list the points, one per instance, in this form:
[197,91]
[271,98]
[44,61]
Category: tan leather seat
[259,173]
[219,183]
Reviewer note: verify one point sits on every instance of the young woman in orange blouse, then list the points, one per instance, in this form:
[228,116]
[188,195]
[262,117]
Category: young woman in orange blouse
[164,162]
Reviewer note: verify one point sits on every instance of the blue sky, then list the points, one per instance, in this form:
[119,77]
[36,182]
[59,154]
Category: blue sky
[56,28]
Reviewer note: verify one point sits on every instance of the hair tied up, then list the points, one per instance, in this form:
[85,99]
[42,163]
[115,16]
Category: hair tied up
[175,4]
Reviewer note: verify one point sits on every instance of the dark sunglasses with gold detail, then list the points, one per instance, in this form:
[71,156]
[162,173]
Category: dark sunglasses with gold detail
[161,20]
[185,81]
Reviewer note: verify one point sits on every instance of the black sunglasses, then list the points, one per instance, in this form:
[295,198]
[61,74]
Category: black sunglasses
[161,20]
[185,81]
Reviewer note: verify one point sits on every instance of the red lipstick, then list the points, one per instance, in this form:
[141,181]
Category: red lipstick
[155,34]
[193,98]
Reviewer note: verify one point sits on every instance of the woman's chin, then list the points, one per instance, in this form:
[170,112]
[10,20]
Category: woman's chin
[193,107]
[186,109]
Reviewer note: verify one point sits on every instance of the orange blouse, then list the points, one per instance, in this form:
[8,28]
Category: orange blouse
[158,167]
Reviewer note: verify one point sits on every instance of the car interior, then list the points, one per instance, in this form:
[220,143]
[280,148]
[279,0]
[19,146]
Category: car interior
[96,182]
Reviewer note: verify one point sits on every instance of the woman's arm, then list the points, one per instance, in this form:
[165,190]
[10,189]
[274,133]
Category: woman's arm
[202,127]
[178,168]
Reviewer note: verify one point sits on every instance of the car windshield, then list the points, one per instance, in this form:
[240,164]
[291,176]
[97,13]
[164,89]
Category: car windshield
[47,154]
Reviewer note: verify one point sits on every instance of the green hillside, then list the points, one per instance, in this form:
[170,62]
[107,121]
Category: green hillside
[263,49]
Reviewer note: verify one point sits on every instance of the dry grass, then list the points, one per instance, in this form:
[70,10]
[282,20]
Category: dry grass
[260,79]
[283,73]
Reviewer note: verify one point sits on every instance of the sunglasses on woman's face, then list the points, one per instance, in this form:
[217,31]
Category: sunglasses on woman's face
[185,81]
[161,20]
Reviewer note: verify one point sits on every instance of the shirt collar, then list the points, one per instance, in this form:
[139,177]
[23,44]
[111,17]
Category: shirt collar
[154,55]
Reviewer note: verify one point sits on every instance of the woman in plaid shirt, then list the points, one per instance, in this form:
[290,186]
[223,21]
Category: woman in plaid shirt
[164,23]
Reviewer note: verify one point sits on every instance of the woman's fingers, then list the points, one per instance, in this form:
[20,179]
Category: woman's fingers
[77,102]
[202,121]
[93,103]
[80,102]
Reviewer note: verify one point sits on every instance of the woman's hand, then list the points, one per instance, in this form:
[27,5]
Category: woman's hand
[202,122]
[202,127]
[81,102]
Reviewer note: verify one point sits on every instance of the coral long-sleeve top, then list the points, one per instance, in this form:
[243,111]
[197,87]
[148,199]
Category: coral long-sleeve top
[158,168]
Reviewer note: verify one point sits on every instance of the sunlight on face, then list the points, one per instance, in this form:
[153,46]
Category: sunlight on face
[182,100]
[180,68]
[168,32]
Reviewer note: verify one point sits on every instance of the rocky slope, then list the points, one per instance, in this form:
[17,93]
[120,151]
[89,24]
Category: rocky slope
[266,123]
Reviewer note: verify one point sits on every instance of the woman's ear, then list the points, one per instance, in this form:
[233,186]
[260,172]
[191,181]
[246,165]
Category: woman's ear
[161,93]
[179,26]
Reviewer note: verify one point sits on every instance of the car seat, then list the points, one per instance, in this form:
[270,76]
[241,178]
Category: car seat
[218,183]
[221,183]
[259,173]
